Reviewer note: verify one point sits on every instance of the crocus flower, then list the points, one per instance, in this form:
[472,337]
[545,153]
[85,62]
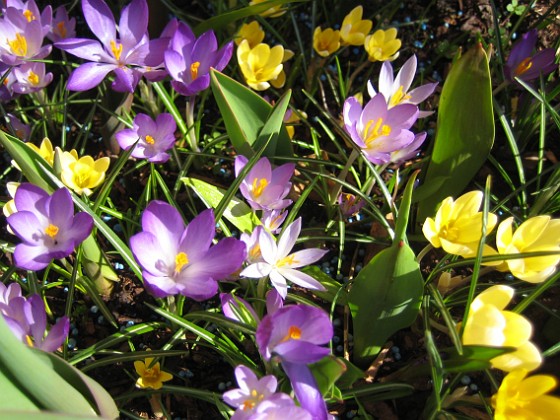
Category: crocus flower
[17,127]
[378,130]
[82,174]
[189,59]
[238,309]
[31,77]
[45,149]
[396,90]
[398,157]
[27,319]
[524,63]
[260,64]
[179,259]
[47,226]
[522,397]
[354,30]
[272,220]
[540,233]
[280,407]
[326,42]
[252,243]
[281,265]
[62,26]
[295,335]
[28,11]
[457,227]
[251,392]
[488,324]
[8,79]
[150,374]
[274,11]
[382,45]
[123,55]
[263,187]
[252,32]
[21,38]
[349,204]
[152,139]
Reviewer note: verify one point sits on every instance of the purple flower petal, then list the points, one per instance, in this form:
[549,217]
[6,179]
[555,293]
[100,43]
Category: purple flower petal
[88,76]
[306,390]
[133,23]
[100,20]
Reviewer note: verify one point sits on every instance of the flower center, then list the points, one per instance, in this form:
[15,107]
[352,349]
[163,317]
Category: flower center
[180,261]
[150,139]
[61,29]
[18,45]
[51,230]
[82,173]
[523,67]
[252,401]
[450,233]
[255,251]
[116,49]
[259,184]
[398,97]
[287,260]
[33,78]
[376,129]
[194,70]
[294,333]
[29,15]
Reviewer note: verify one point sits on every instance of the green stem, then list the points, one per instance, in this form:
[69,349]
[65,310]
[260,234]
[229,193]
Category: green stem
[191,133]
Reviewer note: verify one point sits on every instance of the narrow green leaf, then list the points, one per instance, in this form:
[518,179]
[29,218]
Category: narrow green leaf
[465,131]
[237,212]
[333,287]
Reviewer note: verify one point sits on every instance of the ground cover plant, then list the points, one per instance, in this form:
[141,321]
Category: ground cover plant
[275,209]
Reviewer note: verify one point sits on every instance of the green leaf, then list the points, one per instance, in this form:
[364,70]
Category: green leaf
[333,287]
[385,296]
[245,115]
[12,397]
[465,131]
[474,358]
[237,212]
[36,378]
[327,371]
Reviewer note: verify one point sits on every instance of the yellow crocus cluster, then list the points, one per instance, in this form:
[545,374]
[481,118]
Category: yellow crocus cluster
[252,32]
[382,45]
[81,174]
[489,324]
[326,42]
[262,65]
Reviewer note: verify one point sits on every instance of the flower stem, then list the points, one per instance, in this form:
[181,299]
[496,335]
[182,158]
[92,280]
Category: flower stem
[191,133]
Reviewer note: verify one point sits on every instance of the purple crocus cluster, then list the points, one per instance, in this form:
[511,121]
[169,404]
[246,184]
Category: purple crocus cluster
[382,128]
[27,319]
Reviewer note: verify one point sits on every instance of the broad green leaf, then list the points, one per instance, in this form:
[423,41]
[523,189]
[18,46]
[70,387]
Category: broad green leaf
[465,131]
[385,296]
[327,371]
[36,377]
[245,114]
[12,397]
[237,212]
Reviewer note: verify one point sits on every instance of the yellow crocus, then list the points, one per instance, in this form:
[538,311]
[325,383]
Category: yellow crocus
[326,42]
[150,374]
[261,64]
[457,227]
[252,32]
[488,324]
[382,45]
[45,149]
[522,397]
[354,30]
[274,11]
[279,81]
[537,234]
[82,174]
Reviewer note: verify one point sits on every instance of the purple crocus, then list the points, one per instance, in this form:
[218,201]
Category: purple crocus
[395,90]
[279,264]
[263,187]
[62,25]
[179,259]
[378,130]
[524,63]
[189,59]
[47,226]
[127,55]
[31,77]
[238,309]
[349,204]
[295,335]
[27,319]
[152,138]
[400,156]
[272,220]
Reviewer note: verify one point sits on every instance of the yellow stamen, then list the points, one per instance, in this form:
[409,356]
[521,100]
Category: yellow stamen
[398,97]
[116,49]
[294,333]
[29,15]
[18,45]
[51,230]
[287,260]
[150,139]
[248,405]
[33,78]
[255,251]
[378,130]
[29,341]
[259,184]
[180,261]
[523,67]
[194,70]
[6,81]
[61,29]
